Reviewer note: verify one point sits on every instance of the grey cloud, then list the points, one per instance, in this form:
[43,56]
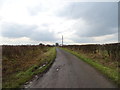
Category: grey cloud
[32,32]
[101,17]
[84,40]
[16,31]
[35,10]
[93,30]
[114,38]
[79,39]
[1,3]
[44,35]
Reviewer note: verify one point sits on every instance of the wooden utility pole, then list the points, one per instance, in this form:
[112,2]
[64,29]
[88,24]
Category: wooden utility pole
[62,40]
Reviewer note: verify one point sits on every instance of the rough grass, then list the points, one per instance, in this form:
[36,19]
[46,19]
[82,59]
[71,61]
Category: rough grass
[111,73]
[15,78]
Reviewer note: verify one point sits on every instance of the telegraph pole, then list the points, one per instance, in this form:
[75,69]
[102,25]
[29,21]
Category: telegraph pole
[62,40]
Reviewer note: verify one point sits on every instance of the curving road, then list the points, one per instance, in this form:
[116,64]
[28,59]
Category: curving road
[69,72]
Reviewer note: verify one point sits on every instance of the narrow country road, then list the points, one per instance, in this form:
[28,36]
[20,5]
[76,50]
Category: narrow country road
[69,72]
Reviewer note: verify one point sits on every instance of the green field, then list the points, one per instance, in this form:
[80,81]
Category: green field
[21,63]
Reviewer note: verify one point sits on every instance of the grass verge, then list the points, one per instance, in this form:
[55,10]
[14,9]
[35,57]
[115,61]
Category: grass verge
[18,79]
[112,74]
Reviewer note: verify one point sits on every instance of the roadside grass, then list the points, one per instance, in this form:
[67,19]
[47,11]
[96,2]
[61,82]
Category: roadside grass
[19,78]
[111,73]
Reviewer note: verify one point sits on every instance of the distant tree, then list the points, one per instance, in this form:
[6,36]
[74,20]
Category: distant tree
[41,44]
[56,44]
[48,45]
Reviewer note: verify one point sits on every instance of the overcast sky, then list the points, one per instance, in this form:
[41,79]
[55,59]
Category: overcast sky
[45,21]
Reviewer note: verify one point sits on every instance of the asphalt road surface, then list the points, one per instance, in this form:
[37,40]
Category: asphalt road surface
[69,72]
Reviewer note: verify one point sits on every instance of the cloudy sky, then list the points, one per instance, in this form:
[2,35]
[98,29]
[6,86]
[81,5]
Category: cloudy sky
[45,21]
